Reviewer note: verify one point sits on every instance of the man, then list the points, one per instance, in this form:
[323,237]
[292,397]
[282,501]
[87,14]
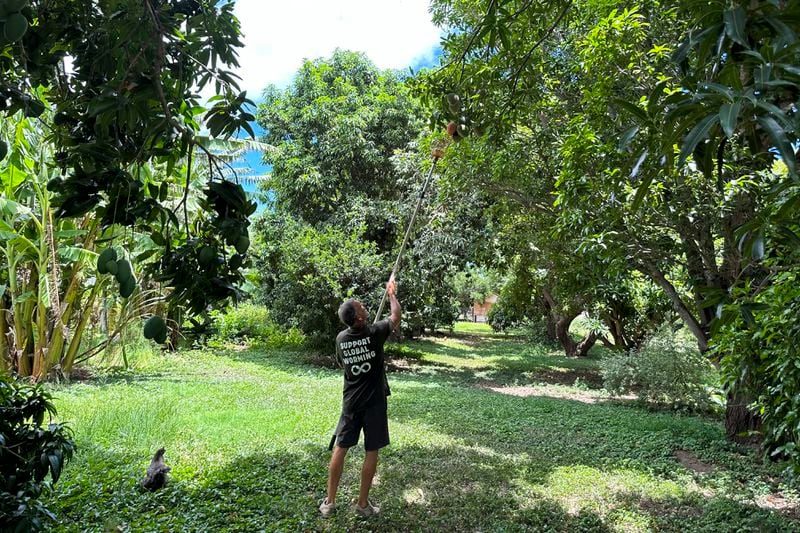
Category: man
[360,350]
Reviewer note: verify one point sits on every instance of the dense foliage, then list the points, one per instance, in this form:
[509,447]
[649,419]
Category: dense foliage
[100,144]
[29,453]
[475,284]
[345,180]
[658,156]
[253,324]
[665,370]
[759,351]
[305,274]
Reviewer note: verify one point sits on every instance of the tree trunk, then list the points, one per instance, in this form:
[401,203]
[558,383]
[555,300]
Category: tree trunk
[701,275]
[77,335]
[5,354]
[739,420]
[607,343]
[617,329]
[175,318]
[679,306]
[583,347]
[550,327]
[572,348]
[562,334]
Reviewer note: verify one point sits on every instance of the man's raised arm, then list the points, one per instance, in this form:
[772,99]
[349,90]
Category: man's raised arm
[394,305]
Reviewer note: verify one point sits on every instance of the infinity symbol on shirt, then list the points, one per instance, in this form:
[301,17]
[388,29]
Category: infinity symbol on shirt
[358,369]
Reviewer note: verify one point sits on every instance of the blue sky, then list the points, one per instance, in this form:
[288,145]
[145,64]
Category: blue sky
[278,36]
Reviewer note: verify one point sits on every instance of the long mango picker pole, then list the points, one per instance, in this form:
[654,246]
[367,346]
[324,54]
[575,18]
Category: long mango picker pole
[436,154]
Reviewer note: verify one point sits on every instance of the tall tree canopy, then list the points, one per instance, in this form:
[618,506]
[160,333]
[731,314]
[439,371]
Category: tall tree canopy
[335,130]
[346,168]
[663,122]
[99,148]
[116,108]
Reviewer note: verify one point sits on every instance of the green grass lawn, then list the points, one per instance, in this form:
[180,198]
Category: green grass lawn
[488,434]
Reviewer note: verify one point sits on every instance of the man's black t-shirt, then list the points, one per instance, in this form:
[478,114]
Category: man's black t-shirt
[361,353]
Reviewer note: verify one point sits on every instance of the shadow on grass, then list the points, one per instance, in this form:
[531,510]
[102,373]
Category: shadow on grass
[501,362]
[465,458]
[118,375]
[697,513]
[420,488]
[402,359]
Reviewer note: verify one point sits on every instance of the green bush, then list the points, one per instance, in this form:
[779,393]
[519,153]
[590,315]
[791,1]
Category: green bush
[501,319]
[29,453]
[304,274]
[664,371]
[252,323]
[759,351]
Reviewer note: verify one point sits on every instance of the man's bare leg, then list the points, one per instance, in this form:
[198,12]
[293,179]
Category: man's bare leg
[367,473]
[335,472]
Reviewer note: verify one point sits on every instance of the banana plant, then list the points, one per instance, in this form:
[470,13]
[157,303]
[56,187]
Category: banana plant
[43,280]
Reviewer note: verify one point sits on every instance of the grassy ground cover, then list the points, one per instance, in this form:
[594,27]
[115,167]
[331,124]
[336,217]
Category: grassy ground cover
[489,433]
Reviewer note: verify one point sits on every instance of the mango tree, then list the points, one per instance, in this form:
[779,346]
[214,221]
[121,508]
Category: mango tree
[121,121]
[668,119]
[346,167]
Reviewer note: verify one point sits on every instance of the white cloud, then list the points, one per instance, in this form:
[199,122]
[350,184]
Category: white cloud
[278,35]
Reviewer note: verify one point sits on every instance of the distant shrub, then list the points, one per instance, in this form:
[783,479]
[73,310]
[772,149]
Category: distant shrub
[252,323]
[30,452]
[535,332]
[501,319]
[664,371]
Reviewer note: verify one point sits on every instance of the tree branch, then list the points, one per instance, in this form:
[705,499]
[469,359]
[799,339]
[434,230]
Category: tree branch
[528,55]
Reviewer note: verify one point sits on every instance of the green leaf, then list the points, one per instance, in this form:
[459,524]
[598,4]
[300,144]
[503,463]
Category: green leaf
[27,296]
[735,20]
[655,96]
[631,108]
[12,176]
[102,105]
[638,165]
[747,315]
[627,137]
[790,235]
[728,116]
[640,192]
[55,467]
[249,129]
[44,291]
[778,114]
[74,253]
[698,133]
[718,88]
[69,233]
[791,69]
[503,33]
[682,52]
[787,34]
[757,247]
[778,136]
[158,238]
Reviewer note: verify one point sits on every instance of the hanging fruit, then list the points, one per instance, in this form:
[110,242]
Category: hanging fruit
[453,103]
[156,329]
[106,256]
[15,27]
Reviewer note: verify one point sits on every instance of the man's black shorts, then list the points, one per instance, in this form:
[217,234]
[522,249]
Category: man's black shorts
[373,421]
